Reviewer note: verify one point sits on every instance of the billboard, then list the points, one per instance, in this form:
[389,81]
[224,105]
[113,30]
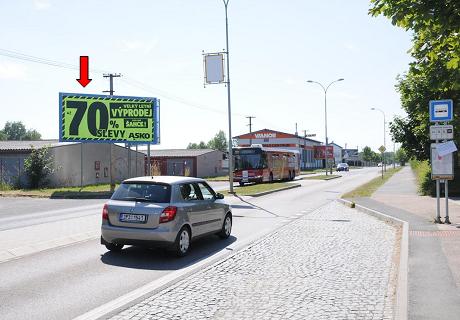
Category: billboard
[113,119]
[320,152]
[214,68]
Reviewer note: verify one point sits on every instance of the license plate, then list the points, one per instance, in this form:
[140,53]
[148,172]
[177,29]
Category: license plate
[134,218]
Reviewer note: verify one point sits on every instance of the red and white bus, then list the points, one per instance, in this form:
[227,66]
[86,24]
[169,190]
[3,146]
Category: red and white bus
[259,164]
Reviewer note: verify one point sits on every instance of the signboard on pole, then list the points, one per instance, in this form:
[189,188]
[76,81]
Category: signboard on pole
[111,119]
[441,132]
[441,110]
[441,166]
[213,68]
[320,152]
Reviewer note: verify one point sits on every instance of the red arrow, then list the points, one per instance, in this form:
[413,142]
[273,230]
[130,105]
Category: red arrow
[84,60]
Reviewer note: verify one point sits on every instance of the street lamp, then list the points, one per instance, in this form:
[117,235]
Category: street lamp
[230,152]
[384,166]
[325,113]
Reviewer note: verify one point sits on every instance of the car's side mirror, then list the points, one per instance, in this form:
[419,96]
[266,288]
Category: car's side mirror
[219,196]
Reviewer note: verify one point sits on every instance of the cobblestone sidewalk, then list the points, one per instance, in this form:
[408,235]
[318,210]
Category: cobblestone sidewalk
[334,263]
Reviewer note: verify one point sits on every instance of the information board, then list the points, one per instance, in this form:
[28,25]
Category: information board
[441,167]
[101,118]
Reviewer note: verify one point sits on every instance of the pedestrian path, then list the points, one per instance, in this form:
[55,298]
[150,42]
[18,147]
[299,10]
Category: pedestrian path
[334,263]
[434,250]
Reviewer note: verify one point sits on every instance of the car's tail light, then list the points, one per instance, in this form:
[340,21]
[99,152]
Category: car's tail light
[168,214]
[105,212]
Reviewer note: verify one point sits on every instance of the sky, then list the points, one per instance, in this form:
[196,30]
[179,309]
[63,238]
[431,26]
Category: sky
[157,46]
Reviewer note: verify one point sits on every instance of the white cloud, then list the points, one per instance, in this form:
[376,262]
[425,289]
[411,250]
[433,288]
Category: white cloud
[10,70]
[41,4]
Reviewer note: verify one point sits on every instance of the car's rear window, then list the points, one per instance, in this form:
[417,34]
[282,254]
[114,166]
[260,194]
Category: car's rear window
[147,192]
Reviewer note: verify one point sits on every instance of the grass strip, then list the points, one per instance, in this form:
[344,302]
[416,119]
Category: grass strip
[323,177]
[258,188]
[367,189]
[97,190]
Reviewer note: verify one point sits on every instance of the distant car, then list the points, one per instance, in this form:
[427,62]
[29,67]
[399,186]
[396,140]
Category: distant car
[164,211]
[342,167]
[379,164]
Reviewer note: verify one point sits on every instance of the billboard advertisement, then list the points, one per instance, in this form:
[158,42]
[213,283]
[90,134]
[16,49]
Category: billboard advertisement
[320,152]
[111,119]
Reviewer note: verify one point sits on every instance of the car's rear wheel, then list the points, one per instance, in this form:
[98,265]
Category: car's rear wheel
[182,243]
[114,247]
[226,227]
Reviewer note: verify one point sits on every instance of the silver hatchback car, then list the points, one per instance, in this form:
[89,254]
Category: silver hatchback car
[166,211]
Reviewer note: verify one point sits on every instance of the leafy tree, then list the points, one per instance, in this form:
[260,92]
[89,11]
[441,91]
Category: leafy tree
[368,154]
[31,135]
[14,130]
[435,72]
[401,156]
[17,131]
[38,166]
[219,142]
[200,145]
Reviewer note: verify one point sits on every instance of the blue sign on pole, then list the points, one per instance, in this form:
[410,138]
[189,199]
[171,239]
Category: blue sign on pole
[441,110]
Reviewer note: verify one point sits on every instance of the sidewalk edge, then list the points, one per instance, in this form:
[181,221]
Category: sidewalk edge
[401,308]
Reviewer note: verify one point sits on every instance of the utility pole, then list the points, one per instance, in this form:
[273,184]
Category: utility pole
[250,122]
[111,91]
[250,128]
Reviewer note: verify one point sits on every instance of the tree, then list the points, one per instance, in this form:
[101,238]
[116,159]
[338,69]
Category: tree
[31,135]
[200,145]
[17,131]
[401,156]
[38,166]
[435,72]
[219,142]
[368,154]
[14,130]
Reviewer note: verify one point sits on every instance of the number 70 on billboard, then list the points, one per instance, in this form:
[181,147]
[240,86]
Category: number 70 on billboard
[111,119]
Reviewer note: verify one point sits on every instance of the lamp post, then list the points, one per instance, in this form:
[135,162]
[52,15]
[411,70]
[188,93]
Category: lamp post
[325,114]
[384,166]
[230,146]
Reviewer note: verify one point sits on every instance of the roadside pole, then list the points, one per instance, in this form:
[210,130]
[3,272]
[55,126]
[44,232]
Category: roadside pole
[110,91]
[441,112]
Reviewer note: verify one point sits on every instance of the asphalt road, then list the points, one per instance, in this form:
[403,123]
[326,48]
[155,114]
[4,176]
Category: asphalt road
[65,282]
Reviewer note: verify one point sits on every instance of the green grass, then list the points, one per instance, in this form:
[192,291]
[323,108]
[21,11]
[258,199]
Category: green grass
[258,188]
[422,172]
[367,189]
[323,177]
[5,187]
[86,191]
[220,178]
[313,171]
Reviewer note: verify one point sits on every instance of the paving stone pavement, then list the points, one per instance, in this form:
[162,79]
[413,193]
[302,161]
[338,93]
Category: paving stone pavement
[334,263]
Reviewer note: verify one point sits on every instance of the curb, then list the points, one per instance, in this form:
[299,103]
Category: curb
[273,191]
[401,307]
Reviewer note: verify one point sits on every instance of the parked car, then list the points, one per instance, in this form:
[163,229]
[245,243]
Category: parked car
[164,211]
[379,164]
[342,167]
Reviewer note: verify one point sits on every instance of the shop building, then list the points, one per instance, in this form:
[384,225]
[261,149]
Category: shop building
[276,139]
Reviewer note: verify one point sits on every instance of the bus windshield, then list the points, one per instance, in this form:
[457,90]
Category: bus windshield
[250,159]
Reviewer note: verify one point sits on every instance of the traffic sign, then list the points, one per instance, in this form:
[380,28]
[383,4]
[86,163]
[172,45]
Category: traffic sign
[382,149]
[100,118]
[441,132]
[441,110]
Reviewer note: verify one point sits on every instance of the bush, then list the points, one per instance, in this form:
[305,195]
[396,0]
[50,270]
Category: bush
[5,187]
[422,170]
[38,166]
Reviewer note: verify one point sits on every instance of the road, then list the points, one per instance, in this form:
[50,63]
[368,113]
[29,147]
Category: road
[65,282]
